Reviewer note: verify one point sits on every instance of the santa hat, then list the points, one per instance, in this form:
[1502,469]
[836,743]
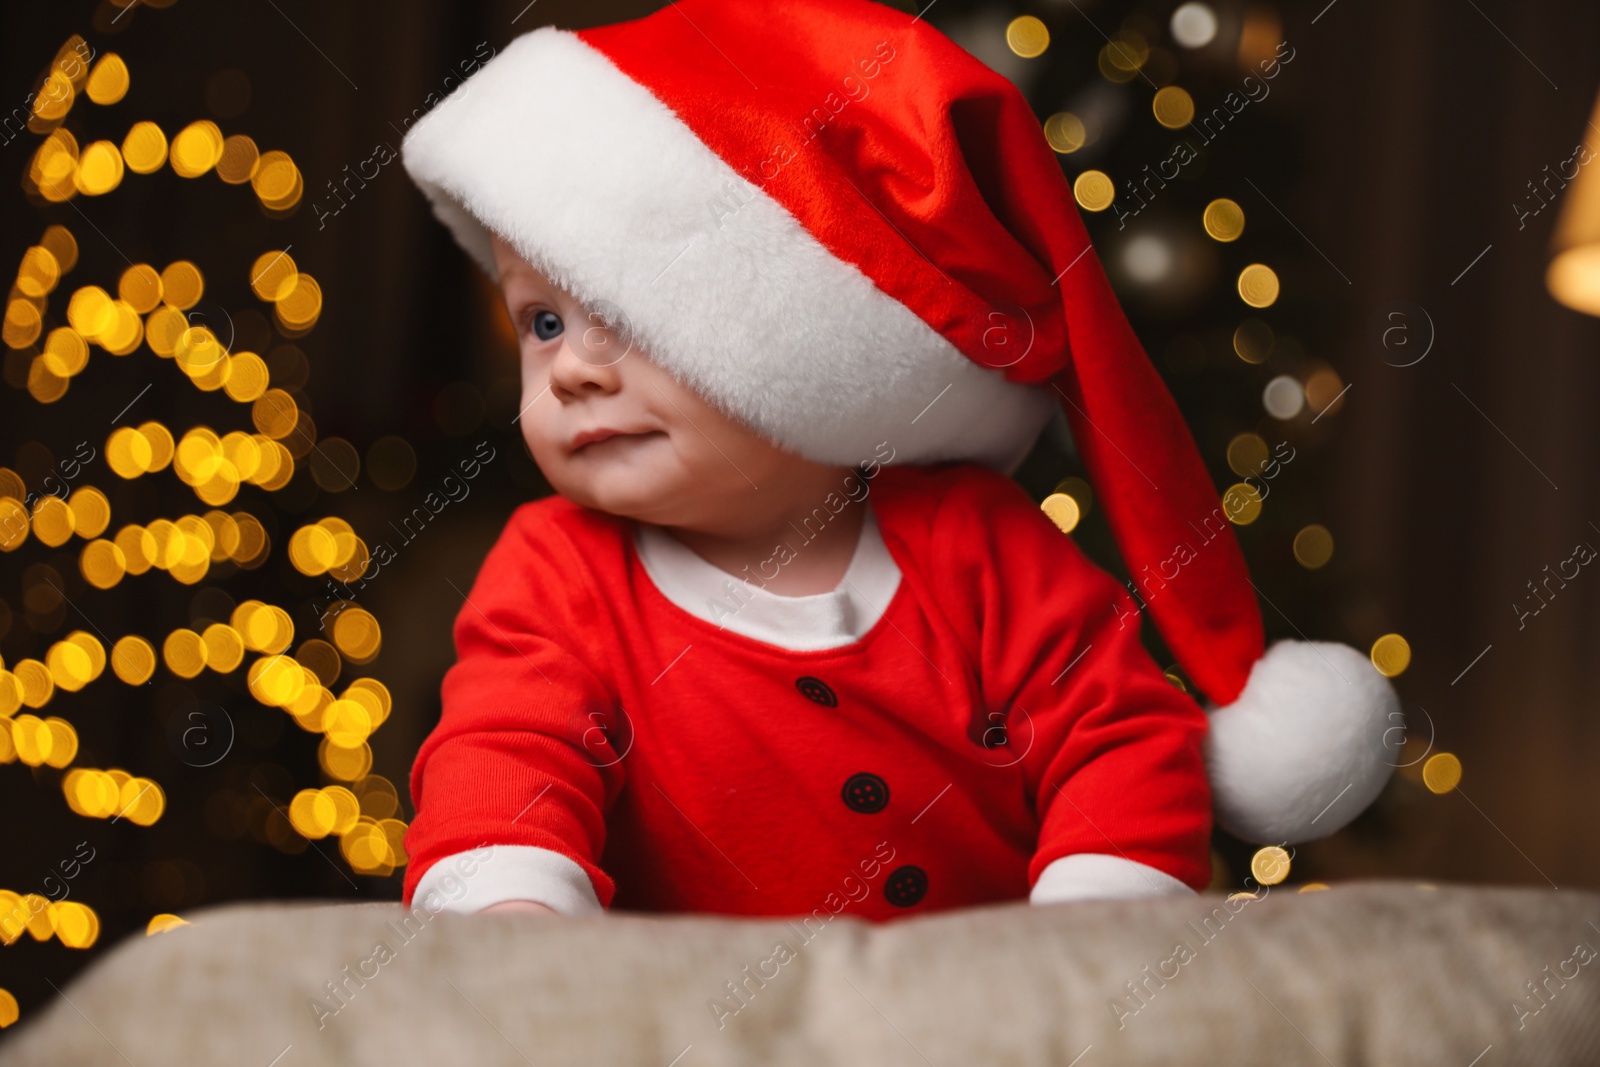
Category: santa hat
[842,229]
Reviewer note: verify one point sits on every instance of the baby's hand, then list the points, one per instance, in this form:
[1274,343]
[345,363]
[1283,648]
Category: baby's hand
[521,905]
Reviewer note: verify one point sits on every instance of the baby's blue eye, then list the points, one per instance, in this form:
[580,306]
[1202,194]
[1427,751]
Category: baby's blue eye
[546,324]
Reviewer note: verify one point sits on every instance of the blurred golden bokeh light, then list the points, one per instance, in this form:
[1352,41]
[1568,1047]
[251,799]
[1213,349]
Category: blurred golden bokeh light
[184,653]
[1065,132]
[277,182]
[1223,220]
[1270,865]
[1247,454]
[1093,190]
[133,660]
[160,924]
[1442,772]
[53,521]
[1324,390]
[38,272]
[1242,503]
[140,287]
[344,764]
[99,169]
[108,80]
[144,148]
[239,159]
[1391,654]
[357,635]
[1120,59]
[1027,36]
[1313,546]
[196,149]
[1063,510]
[1258,285]
[1173,107]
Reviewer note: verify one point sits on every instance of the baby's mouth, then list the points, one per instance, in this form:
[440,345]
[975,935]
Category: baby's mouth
[617,440]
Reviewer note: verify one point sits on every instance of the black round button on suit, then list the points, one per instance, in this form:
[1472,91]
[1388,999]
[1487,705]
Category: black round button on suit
[817,691]
[905,886]
[866,793]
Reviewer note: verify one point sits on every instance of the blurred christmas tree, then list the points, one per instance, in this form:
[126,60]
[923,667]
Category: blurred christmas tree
[174,675]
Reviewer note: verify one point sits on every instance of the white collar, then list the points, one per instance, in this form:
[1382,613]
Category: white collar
[838,617]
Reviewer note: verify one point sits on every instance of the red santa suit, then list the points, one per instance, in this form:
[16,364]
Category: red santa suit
[968,718]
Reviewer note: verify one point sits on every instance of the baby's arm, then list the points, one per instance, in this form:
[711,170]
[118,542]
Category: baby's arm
[1122,794]
[512,786]
[1109,749]
[1119,778]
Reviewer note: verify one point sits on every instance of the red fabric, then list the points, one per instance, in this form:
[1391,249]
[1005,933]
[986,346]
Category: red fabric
[899,151]
[720,788]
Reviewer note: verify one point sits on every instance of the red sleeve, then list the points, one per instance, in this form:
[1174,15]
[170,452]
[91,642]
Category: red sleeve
[521,754]
[1110,750]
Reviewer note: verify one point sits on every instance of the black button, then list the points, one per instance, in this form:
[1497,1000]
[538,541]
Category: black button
[866,793]
[815,689]
[906,886]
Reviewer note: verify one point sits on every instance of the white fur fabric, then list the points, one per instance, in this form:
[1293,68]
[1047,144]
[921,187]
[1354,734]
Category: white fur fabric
[1301,751]
[608,192]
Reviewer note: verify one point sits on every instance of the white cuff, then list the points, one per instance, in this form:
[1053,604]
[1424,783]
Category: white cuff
[468,882]
[1096,876]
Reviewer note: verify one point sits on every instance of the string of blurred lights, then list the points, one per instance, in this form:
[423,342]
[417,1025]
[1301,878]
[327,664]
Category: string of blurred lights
[152,308]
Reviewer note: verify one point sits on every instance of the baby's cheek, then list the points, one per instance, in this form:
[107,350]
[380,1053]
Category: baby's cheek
[536,421]
[532,438]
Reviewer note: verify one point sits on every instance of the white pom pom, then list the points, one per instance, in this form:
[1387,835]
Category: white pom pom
[1301,751]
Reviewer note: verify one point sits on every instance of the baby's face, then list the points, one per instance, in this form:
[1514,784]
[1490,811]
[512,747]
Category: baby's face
[671,458]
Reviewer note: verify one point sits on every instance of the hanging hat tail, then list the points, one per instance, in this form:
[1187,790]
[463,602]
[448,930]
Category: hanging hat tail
[1297,745]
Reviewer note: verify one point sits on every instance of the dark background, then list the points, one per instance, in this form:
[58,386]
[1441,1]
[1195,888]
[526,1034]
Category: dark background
[1389,154]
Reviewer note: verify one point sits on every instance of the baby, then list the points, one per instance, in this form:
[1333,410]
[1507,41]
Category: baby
[837,726]
[788,639]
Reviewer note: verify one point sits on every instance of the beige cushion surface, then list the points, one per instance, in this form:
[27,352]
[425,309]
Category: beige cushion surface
[1374,972]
